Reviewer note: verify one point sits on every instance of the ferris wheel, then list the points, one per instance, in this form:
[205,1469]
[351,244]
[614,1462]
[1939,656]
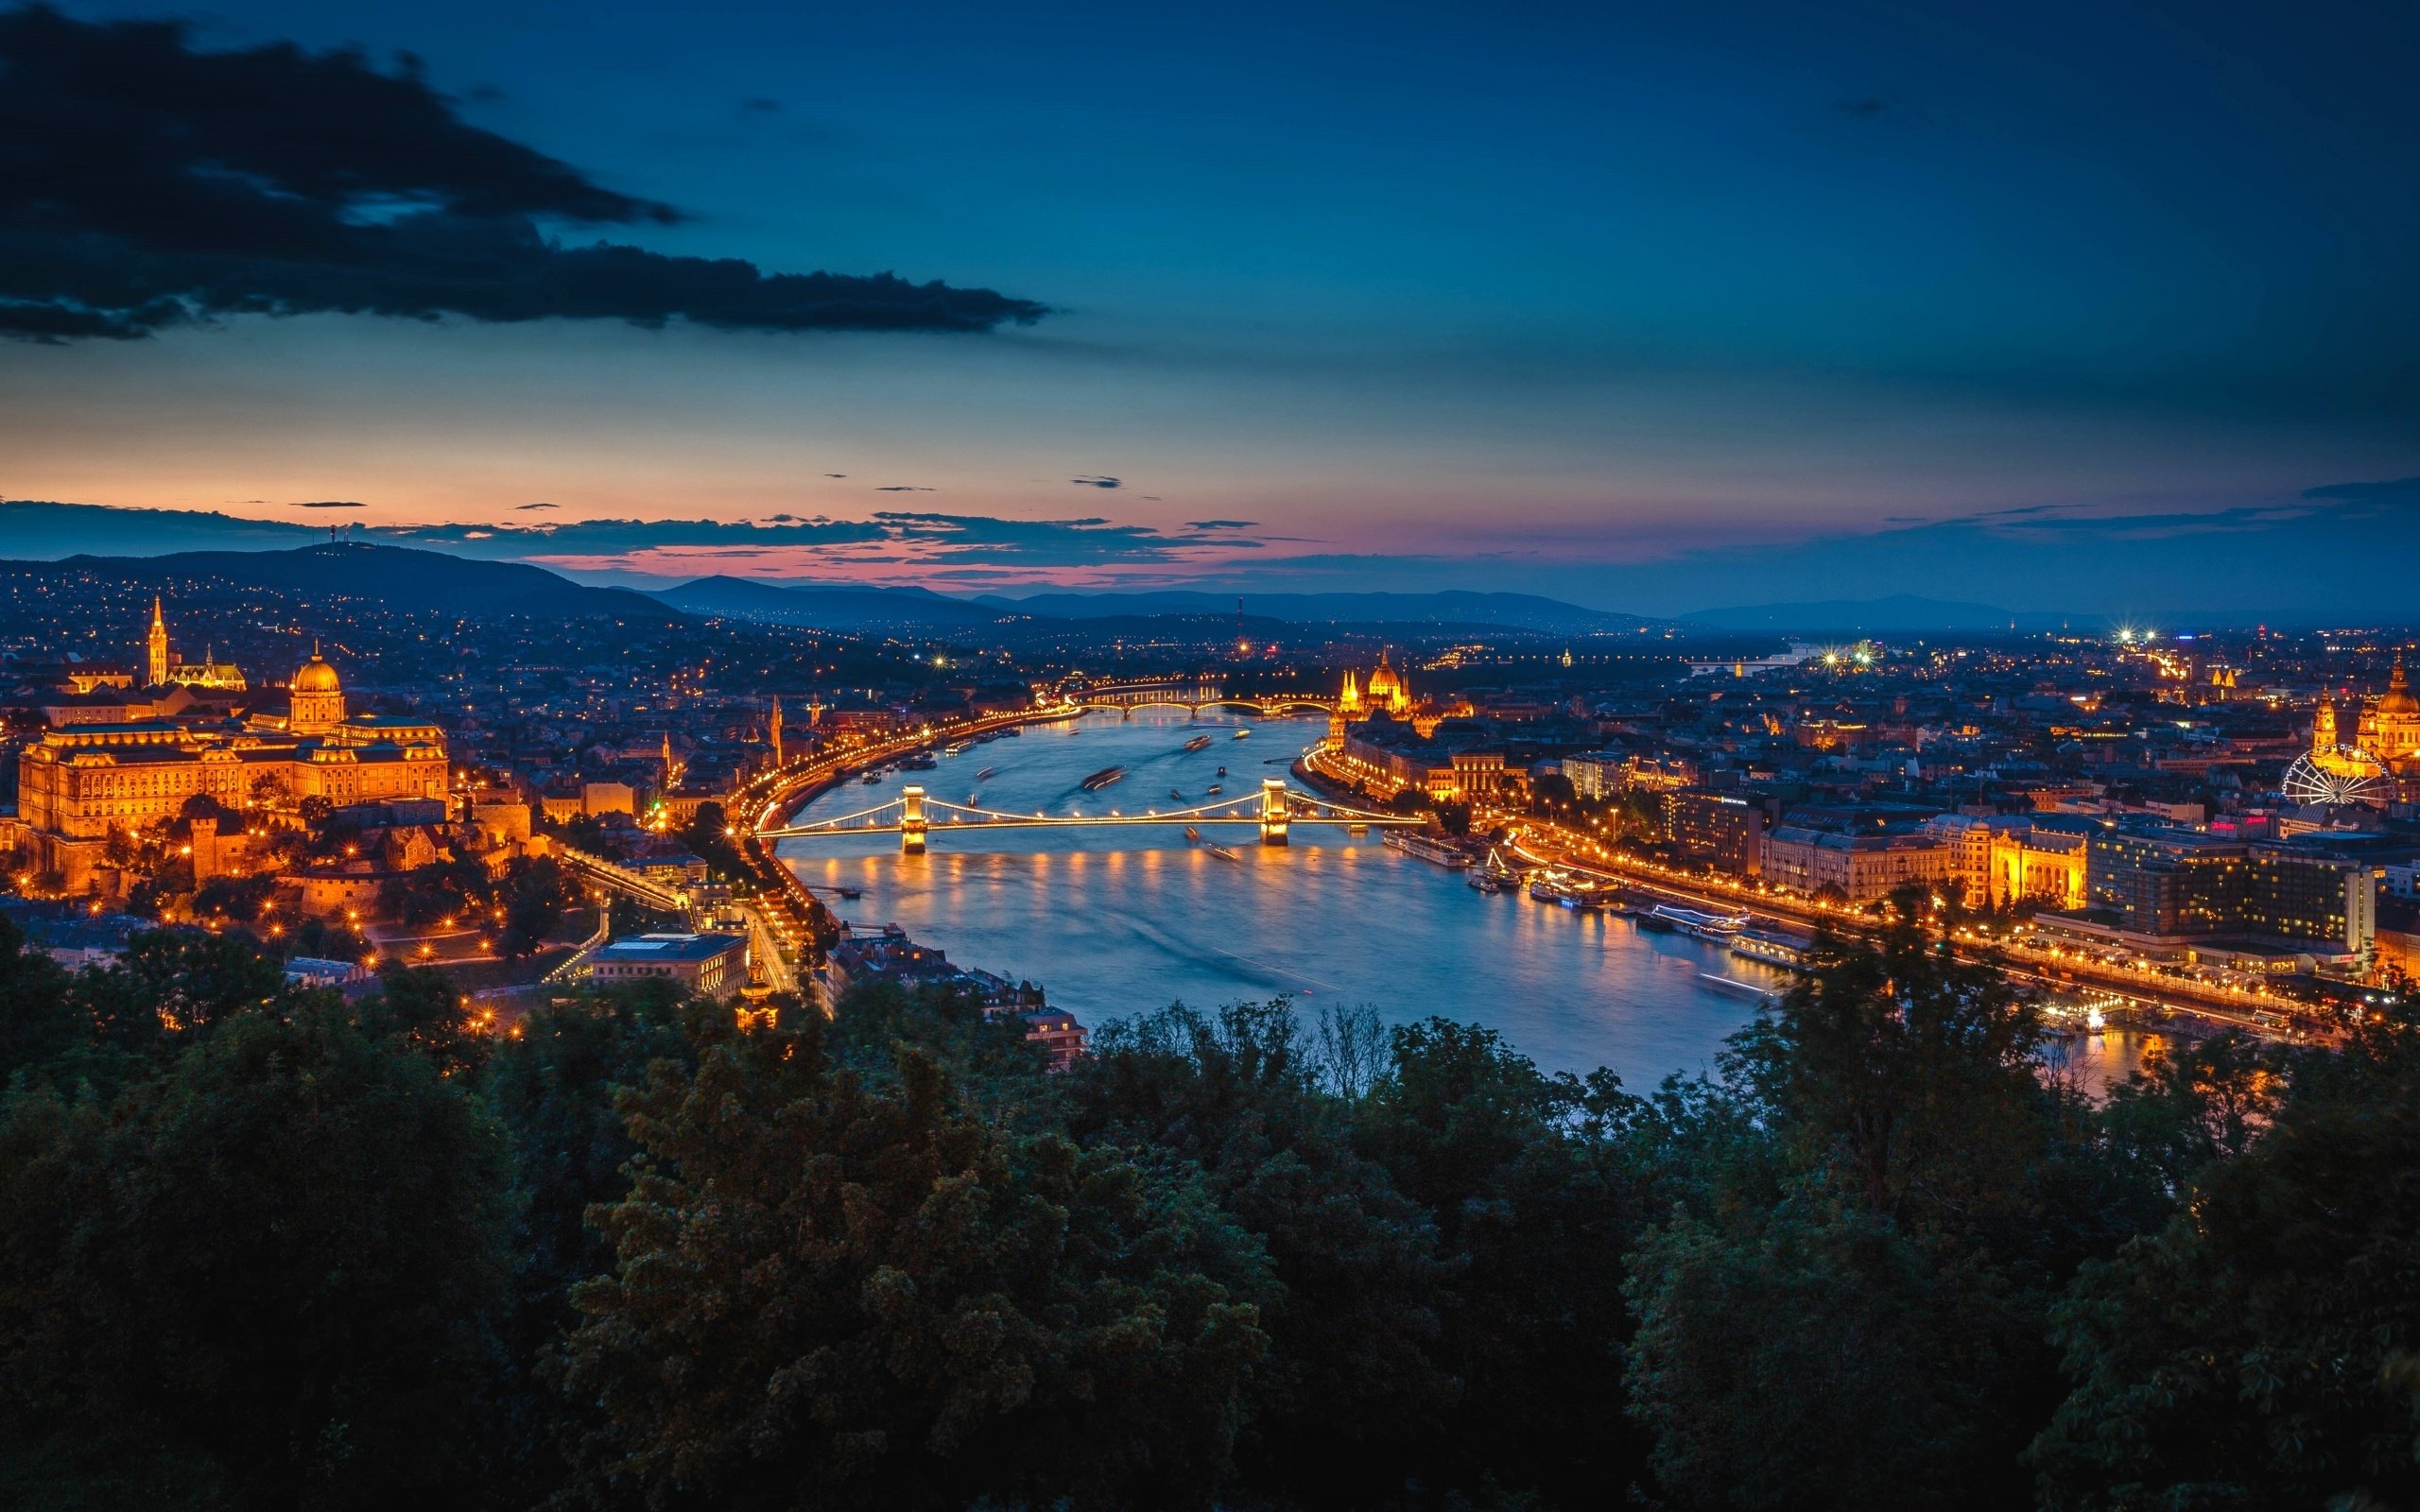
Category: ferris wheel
[2363,781]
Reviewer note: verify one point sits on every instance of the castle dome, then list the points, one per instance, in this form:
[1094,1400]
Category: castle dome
[317,676]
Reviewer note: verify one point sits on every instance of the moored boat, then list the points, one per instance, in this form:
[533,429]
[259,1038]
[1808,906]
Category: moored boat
[1427,848]
[1773,950]
[1720,927]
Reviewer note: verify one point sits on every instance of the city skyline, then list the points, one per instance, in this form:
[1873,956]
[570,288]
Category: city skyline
[2094,313]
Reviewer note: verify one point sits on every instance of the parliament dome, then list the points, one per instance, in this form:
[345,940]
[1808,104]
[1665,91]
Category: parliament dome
[317,676]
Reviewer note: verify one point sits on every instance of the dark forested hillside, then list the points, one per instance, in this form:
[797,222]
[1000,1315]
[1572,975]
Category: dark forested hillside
[262,1248]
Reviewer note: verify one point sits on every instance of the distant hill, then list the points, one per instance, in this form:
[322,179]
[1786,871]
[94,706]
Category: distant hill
[427,579]
[1899,614]
[824,607]
[1523,611]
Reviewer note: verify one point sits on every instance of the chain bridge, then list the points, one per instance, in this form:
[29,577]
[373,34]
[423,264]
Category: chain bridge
[914,816]
[1192,696]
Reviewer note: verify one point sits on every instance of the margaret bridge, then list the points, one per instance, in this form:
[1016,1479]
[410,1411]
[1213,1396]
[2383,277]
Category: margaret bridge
[914,816]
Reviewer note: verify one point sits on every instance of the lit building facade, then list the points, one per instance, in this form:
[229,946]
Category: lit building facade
[2180,885]
[2004,861]
[77,786]
[1385,692]
[714,966]
[2384,742]
[1718,828]
[1860,869]
[160,669]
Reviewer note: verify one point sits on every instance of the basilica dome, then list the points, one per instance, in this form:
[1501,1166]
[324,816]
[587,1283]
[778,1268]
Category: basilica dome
[2398,698]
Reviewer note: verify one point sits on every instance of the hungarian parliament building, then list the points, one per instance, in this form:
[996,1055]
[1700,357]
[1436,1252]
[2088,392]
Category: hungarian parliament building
[82,781]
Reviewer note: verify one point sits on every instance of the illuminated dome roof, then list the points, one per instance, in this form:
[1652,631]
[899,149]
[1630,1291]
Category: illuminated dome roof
[2399,698]
[1383,680]
[317,676]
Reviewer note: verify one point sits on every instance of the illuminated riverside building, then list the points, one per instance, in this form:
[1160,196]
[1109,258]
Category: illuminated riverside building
[2168,886]
[2012,860]
[1857,868]
[1387,692]
[79,784]
[1715,827]
[1381,738]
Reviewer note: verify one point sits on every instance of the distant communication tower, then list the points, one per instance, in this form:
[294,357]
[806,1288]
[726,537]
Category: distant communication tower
[2357,780]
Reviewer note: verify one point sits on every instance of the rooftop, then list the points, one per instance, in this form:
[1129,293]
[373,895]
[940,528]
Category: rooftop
[670,948]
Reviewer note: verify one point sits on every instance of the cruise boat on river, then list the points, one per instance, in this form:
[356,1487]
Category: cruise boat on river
[1103,778]
[1576,893]
[1427,848]
[1719,927]
[1198,742]
[1773,950]
[1243,735]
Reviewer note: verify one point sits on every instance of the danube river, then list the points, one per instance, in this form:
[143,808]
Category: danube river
[1119,920]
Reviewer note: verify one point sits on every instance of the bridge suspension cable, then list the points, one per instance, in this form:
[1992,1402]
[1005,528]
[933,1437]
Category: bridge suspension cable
[1270,808]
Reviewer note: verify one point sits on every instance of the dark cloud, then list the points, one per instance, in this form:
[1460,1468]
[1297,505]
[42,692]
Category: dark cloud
[1219,525]
[145,184]
[903,488]
[1863,108]
[1098,482]
[2394,490]
[758,106]
[329,504]
[541,505]
[835,475]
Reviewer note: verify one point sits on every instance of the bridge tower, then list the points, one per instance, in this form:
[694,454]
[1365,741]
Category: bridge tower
[1272,811]
[911,821]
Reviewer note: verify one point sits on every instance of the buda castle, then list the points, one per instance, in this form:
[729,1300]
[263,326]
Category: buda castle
[79,784]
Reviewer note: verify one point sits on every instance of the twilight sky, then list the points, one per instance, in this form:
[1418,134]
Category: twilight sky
[2089,306]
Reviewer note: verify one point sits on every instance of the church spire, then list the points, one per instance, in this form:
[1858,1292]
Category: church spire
[155,646]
